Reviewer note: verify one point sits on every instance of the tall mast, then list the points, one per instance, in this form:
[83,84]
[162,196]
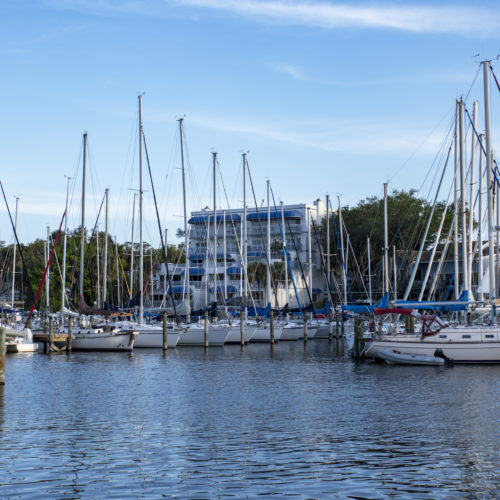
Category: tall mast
[98,268]
[284,252]
[455,241]
[63,279]
[395,272]
[328,242]
[186,234]
[14,256]
[471,191]
[245,234]
[492,294]
[224,249]
[214,156]
[47,281]
[268,249]
[82,237]
[465,266]
[105,270]
[309,251]
[480,220]
[386,243]
[118,290]
[141,242]
[132,250]
[344,270]
[369,270]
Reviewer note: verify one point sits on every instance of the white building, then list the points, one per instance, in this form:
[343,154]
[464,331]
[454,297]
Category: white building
[294,223]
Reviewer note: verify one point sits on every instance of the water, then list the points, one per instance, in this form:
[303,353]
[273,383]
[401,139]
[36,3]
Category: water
[301,422]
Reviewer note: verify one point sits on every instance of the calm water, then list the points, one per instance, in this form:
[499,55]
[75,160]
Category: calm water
[302,422]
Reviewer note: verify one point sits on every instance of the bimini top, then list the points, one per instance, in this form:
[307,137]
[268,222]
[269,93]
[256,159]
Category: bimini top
[202,219]
[262,215]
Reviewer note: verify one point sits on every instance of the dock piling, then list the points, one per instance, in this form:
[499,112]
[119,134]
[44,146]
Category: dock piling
[165,332]
[69,340]
[3,333]
[305,328]
[271,326]
[206,329]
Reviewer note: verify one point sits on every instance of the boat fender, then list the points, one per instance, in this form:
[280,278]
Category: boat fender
[438,353]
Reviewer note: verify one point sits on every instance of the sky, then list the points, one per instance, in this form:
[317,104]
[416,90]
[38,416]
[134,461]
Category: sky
[326,97]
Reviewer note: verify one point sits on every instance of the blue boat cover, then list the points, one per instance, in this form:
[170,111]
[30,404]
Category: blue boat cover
[383,304]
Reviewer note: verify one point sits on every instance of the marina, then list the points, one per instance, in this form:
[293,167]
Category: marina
[299,418]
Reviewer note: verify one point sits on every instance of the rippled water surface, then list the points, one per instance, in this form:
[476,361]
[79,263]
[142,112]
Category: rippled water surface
[301,421]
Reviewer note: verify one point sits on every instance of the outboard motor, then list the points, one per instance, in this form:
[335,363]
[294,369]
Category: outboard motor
[438,353]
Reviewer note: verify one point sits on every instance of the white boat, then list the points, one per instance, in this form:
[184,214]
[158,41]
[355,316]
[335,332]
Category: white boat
[103,339]
[263,333]
[292,331]
[398,358]
[461,345]
[234,336]
[194,335]
[151,335]
[19,340]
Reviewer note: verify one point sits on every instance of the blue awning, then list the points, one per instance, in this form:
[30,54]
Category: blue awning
[256,254]
[262,215]
[220,289]
[234,270]
[196,271]
[201,256]
[202,219]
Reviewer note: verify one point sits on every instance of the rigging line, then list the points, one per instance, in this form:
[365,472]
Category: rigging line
[341,253]
[495,77]
[320,250]
[25,277]
[244,268]
[287,254]
[349,244]
[268,257]
[45,272]
[124,276]
[159,228]
[494,170]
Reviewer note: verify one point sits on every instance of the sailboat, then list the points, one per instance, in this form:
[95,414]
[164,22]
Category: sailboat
[461,343]
[96,338]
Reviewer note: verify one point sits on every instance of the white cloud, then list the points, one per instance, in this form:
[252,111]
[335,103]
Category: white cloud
[328,15]
[481,22]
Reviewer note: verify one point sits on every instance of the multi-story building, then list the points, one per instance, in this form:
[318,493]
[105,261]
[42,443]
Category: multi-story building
[223,278]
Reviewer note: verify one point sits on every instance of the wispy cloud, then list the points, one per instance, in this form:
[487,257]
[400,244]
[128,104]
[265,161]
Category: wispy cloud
[331,15]
[478,21]
[340,136]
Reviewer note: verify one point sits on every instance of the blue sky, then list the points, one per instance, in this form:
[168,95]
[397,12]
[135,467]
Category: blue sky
[327,97]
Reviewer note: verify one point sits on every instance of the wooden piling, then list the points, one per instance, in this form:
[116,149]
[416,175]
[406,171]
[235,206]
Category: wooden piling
[206,329]
[336,324]
[330,324]
[342,326]
[165,331]
[3,333]
[30,323]
[356,338]
[69,340]
[271,326]
[51,334]
[305,328]
[242,327]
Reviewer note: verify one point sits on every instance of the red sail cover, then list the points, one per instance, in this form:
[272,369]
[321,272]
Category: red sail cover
[395,310]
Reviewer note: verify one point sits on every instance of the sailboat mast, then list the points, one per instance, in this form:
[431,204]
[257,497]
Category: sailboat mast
[224,249]
[47,281]
[186,234]
[245,234]
[492,294]
[132,251]
[98,269]
[82,237]
[14,256]
[455,240]
[386,243]
[105,270]
[327,239]
[268,249]
[369,270]
[463,215]
[284,252]
[309,251]
[214,157]
[480,220]
[63,278]
[471,191]
[141,242]
[344,271]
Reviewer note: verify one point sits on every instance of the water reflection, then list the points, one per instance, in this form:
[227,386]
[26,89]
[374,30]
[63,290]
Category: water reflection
[297,419]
